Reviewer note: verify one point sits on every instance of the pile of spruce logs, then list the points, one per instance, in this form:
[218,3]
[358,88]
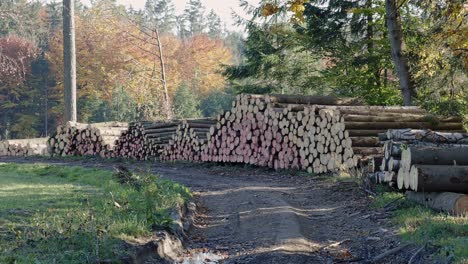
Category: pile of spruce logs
[431,165]
[187,142]
[23,147]
[282,132]
[78,139]
[145,140]
[314,133]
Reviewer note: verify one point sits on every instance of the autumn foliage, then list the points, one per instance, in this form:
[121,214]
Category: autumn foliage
[16,57]
[114,51]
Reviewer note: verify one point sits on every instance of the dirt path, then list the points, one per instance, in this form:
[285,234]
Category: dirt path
[251,215]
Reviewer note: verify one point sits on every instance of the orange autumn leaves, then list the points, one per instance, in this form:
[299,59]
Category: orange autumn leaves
[114,51]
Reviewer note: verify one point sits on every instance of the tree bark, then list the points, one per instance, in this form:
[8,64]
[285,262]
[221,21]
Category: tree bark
[439,178]
[365,141]
[454,203]
[309,99]
[427,136]
[167,102]
[397,44]
[69,60]
[434,156]
[397,125]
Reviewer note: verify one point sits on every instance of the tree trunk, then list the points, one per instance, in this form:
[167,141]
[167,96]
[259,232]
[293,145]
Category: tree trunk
[69,60]
[167,102]
[397,44]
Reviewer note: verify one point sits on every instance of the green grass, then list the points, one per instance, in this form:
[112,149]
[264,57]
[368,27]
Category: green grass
[423,226]
[57,214]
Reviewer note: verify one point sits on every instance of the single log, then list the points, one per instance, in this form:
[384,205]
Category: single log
[109,124]
[302,99]
[434,156]
[364,109]
[439,178]
[393,125]
[401,117]
[367,151]
[401,178]
[365,141]
[454,203]
[427,135]
[364,132]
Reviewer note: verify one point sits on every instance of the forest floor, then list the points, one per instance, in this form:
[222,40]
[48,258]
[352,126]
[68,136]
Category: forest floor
[255,215]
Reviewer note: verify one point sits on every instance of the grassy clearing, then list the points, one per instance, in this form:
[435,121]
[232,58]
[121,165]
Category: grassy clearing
[57,214]
[424,226]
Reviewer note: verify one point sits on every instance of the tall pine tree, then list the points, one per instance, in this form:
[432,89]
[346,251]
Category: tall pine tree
[215,27]
[162,14]
[194,18]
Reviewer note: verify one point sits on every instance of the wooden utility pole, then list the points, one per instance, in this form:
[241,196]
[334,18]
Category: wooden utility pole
[397,44]
[69,60]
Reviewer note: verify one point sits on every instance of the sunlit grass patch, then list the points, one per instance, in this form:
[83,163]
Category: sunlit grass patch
[77,215]
[424,226]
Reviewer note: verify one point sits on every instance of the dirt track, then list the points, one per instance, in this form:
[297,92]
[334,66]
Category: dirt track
[251,215]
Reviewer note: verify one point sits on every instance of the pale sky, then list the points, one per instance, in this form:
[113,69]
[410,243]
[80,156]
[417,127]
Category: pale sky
[223,8]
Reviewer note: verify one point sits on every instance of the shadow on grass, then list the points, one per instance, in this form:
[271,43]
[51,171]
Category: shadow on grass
[67,214]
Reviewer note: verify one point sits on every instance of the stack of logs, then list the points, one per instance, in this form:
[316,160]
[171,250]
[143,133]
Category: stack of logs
[23,147]
[188,140]
[283,132]
[315,133]
[432,165]
[145,140]
[77,139]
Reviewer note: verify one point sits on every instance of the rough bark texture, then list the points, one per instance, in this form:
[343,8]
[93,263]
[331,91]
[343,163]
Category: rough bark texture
[395,33]
[427,136]
[455,203]
[69,60]
[302,99]
[167,101]
[438,178]
[434,156]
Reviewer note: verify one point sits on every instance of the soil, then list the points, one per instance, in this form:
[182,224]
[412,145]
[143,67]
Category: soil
[255,215]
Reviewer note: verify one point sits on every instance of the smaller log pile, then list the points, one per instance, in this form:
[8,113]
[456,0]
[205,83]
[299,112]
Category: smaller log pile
[430,162]
[78,139]
[23,147]
[188,141]
[145,140]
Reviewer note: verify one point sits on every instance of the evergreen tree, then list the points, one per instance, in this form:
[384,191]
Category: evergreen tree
[194,17]
[186,103]
[182,27]
[162,14]
[215,27]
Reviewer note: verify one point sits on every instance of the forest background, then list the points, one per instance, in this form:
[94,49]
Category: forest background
[300,47]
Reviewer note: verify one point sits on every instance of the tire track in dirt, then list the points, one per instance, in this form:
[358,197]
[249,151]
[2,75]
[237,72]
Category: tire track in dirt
[253,215]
